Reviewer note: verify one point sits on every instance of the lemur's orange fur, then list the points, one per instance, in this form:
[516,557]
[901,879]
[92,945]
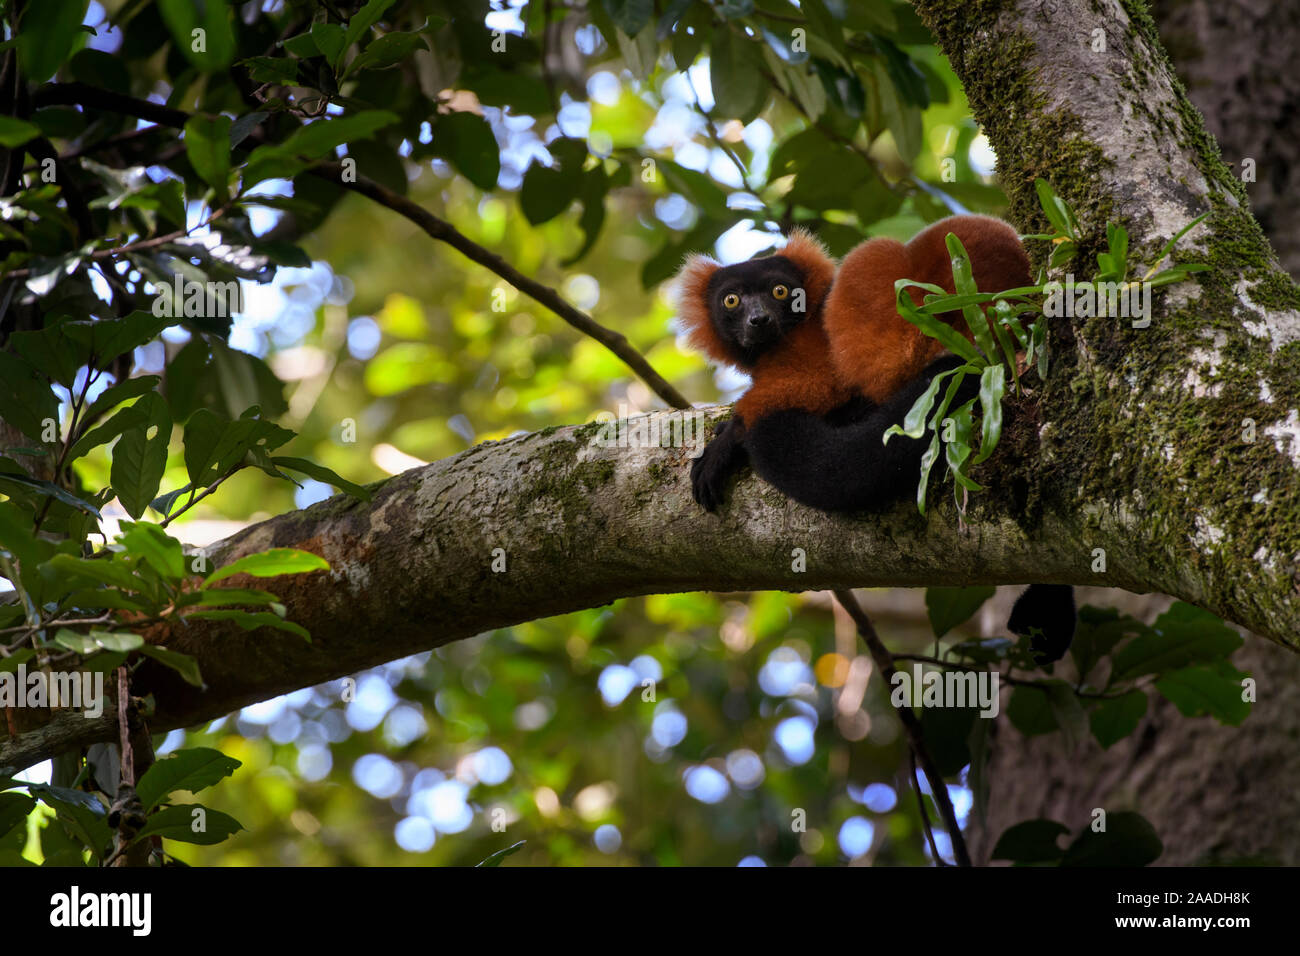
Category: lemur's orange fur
[797,373]
[873,349]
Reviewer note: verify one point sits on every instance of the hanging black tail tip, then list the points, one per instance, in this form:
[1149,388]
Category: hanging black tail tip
[1046,612]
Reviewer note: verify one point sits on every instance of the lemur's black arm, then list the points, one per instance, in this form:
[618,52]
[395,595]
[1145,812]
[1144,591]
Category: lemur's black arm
[724,455]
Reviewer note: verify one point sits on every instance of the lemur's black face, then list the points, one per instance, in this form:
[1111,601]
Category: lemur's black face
[755,304]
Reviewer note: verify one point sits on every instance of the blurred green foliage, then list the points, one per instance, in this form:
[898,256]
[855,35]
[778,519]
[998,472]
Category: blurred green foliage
[589,145]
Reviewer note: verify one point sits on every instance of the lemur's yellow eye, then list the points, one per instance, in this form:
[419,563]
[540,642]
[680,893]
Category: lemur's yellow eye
[780,292]
[731,301]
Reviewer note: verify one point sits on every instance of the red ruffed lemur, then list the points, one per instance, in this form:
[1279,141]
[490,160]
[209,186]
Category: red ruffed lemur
[829,378]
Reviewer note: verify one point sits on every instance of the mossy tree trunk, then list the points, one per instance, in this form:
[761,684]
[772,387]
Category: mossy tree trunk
[1153,428]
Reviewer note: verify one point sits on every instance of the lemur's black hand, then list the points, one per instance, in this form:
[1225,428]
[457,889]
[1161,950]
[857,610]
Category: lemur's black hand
[721,458]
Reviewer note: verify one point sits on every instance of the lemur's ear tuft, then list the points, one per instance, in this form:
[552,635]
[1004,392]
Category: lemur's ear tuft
[693,308]
[810,258]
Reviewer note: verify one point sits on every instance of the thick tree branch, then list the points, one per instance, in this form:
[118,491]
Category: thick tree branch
[579,522]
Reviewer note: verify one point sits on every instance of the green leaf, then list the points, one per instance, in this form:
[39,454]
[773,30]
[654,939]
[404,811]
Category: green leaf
[97,598]
[46,36]
[928,458]
[364,19]
[387,51]
[1182,636]
[15,132]
[946,730]
[182,664]
[17,537]
[155,546]
[280,70]
[14,808]
[1117,243]
[957,448]
[129,417]
[496,858]
[216,597]
[501,88]
[27,399]
[9,665]
[1128,840]
[321,473]
[215,444]
[116,642]
[207,146]
[1030,712]
[735,76]
[50,352]
[901,117]
[595,186]
[311,142]
[104,662]
[51,490]
[1118,717]
[115,395]
[1038,345]
[630,16]
[1055,208]
[251,620]
[215,35]
[931,326]
[466,141]
[81,813]
[302,46]
[81,643]
[547,192]
[1169,246]
[964,282]
[97,640]
[1006,320]
[1033,841]
[164,503]
[191,770]
[1202,691]
[268,564]
[329,39]
[701,190]
[949,607]
[914,421]
[139,458]
[105,340]
[100,570]
[178,822]
[992,386]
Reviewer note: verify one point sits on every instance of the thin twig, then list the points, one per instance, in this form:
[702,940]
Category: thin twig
[444,231]
[711,129]
[911,725]
[925,814]
[84,95]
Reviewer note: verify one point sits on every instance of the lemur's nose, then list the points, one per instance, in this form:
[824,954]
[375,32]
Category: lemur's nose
[756,318]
